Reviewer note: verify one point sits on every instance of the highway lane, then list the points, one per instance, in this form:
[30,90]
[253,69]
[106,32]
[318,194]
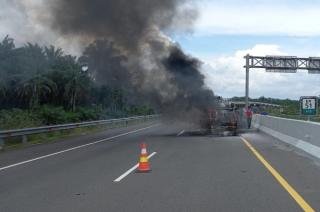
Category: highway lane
[38,150]
[190,173]
[298,167]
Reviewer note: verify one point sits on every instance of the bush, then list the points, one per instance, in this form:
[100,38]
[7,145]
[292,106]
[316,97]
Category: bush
[57,115]
[72,117]
[51,115]
[139,110]
[88,114]
[17,118]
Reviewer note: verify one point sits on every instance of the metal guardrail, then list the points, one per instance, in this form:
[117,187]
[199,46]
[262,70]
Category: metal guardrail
[46,129]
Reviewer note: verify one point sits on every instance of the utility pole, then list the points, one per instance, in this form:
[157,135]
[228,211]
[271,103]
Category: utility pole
[247,80]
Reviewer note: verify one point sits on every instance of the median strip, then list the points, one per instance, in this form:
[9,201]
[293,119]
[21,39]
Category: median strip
[294,194]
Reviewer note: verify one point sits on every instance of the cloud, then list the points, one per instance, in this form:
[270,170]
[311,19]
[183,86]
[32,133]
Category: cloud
[259,18]
[226,76]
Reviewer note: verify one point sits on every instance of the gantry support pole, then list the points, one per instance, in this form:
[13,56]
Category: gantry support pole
[247,80]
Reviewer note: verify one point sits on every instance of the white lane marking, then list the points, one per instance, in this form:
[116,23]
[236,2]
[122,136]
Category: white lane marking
[132,169]
[180,133]
[74,148]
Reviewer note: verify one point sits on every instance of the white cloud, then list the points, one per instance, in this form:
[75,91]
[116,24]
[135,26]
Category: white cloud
[226,76]
[259,18]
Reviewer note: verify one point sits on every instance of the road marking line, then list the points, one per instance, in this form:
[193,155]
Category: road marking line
[132,169]
[180,133]
[77,147]
[294,194]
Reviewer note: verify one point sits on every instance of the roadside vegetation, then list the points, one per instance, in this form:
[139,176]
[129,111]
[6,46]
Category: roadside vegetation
[290,107]
[41,85]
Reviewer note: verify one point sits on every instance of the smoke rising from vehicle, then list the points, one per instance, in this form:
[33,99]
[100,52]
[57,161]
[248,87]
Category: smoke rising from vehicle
[127,23]
[147,60]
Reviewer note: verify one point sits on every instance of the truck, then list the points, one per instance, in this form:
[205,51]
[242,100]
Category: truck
[221,120]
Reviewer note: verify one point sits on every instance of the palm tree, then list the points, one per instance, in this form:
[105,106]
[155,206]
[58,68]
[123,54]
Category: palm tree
[117,100]
[35,59]
[54,55]
[33,88]
[6,49]
[106,63]
[77,84]
[7,44]
[3,88]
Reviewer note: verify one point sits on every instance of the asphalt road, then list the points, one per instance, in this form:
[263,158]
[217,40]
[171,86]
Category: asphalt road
[189,173]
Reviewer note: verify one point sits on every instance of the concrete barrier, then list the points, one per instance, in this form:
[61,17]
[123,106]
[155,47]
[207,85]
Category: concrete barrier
[301,134]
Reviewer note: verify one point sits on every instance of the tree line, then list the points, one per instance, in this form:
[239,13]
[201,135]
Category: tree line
[290,107]
[34,76]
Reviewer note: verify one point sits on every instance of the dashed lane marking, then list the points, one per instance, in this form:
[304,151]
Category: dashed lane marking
[131,169]
[181,133]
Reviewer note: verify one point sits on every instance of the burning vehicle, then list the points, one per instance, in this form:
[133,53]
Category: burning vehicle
[223,120]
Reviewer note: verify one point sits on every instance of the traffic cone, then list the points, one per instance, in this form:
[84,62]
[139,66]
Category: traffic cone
[144,165]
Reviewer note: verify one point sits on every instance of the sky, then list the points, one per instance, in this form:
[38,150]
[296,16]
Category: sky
[224,32]
[229,29]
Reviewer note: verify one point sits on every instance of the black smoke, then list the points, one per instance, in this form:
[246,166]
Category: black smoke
[126,22]
[130,47]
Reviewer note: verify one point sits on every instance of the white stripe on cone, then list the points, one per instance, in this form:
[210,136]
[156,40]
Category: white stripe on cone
[143,151]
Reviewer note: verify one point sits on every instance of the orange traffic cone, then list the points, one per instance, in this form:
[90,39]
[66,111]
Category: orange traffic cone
[144,165]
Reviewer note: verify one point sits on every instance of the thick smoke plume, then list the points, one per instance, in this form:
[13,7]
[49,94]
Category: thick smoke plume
[126,22]
[135,52]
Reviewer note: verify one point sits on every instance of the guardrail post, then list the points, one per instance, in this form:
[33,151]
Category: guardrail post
[24,139]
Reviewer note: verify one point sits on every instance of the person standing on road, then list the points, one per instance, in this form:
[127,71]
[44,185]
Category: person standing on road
[248,113]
